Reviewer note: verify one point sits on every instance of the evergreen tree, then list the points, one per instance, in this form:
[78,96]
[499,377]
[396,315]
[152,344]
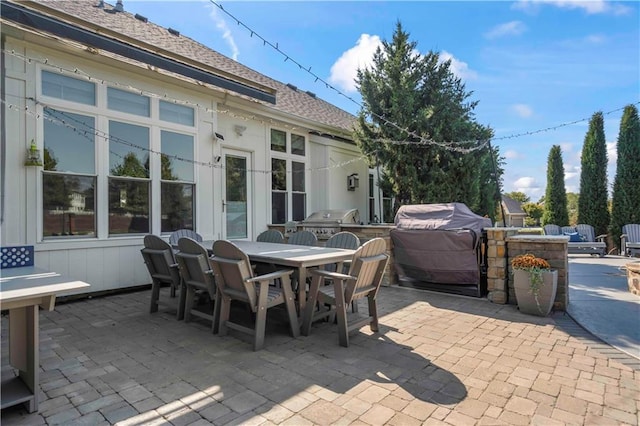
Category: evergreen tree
[626,185]
[592,205]
[555,197]
[421,96]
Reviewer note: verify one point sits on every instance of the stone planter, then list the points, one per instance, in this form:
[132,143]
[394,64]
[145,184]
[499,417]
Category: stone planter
[633,277]
[527,302]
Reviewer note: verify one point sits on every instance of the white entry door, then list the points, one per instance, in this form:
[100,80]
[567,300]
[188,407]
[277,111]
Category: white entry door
[236,194]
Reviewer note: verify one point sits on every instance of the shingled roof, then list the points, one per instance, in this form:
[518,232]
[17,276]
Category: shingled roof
[289,100]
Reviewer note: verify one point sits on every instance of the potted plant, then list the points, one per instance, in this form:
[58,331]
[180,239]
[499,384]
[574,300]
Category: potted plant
[535,284]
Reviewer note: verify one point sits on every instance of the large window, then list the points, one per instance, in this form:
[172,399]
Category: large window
[288,177]
[68,179]
[133,143]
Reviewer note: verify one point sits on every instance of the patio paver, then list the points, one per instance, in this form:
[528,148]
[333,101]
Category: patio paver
[438,359]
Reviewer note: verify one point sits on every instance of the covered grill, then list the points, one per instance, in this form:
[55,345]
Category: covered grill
[325,223]
[441,247]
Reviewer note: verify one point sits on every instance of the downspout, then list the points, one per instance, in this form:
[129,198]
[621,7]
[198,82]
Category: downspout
[3,130]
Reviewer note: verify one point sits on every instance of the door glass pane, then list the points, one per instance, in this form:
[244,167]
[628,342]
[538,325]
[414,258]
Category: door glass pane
[177,206]
[68,203]
[132,103]
[236,191]
[297,176]
[177,158]
[69,148]
[278,207]
[128,206]
[128,150]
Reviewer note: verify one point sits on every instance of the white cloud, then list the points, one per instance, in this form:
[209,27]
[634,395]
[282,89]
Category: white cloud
[571,172]
[589,6]
[612,153]
[458,67]
[526,182]
[522,110]
[345,70]
[506,29]
[221,25]
[512,154]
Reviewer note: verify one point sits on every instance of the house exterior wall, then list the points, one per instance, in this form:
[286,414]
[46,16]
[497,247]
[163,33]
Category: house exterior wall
[109,263]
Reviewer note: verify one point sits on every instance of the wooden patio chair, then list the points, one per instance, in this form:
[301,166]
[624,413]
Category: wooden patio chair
[163,268]
[303,238]
[271,236]
[630,239]
[363,280]
[344,240]
[197,277]
[589,243]
[235,280]
[176,235]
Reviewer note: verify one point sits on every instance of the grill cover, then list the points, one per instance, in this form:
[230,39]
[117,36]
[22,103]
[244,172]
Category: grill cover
[438,243]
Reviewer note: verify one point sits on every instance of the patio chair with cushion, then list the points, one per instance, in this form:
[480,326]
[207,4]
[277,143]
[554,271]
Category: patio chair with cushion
[363,281]
[197,276]
[303,238]
[163,268]
[235,280]
[270,236]
[176,235]
[630,239]
[588,242]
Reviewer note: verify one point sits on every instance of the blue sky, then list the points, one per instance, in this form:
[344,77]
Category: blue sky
[532,65]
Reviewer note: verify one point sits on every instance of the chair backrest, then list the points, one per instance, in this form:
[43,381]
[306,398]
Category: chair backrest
[551,229]
[271,236]
[232,268]
[303,238]
[632,230]
[158,256]
[587,233]
[367,266]
[194,264]
[568,230]
[345,240]
[16,256]
[176,235]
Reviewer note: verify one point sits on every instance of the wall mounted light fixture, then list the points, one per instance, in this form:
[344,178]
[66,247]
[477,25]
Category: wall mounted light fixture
[33,155]
[239,129]
[219,136]
[353,182]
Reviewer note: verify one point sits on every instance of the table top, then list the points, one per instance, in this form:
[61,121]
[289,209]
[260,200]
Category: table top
[290,254]
[32,282]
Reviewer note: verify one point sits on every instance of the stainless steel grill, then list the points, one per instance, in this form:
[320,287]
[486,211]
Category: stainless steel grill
[325,223]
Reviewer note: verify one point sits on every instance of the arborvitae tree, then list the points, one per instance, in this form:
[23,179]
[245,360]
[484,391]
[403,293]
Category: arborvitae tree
[592,206]
[555,197]
[429,108]
[626,185]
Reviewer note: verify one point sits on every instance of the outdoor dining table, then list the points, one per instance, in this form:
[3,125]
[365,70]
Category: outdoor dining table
[23,291]
[292,256]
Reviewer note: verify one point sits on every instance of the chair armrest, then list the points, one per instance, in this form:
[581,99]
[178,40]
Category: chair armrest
[601,237]
[623,236]
[270,276]
[328,274]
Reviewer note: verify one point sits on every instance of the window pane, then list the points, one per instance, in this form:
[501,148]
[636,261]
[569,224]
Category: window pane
[128,206]
[372,210]
[71,89]
[68,204]
[299,206]
[278,140]
[128,150]
[278,207]
[297,144]
[278,174]
[177,206]
[131,103]
[174,113]
[69,148]
[371,185]
[180,146]
[297,176]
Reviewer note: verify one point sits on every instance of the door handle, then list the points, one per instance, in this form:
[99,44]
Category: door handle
[223,205]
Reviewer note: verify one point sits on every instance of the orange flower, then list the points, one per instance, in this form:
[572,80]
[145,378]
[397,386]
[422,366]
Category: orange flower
[529,261]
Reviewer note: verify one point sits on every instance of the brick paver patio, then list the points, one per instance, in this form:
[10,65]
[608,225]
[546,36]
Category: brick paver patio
[438,359]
